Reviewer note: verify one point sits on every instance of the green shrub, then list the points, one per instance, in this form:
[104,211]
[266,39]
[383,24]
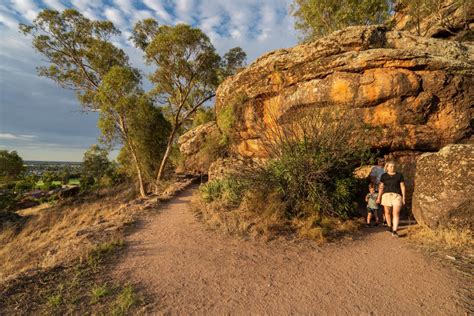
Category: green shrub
[214,147]
[306,185]
[203,116]
[176,158]
[312,161]
[23,186]
[86,182]
[229,190]
[227,117]
[307,174]
[7,201]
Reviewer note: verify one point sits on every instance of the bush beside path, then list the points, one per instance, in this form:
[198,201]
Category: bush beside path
[183,267]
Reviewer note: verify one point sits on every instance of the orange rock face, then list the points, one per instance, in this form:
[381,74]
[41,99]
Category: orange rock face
[418,92]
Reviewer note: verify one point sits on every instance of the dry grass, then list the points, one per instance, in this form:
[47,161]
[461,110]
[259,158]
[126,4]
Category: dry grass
[83,288]
[326,228]
[51,235]
[449,239]
[57,259]
[57,234]
[262,217]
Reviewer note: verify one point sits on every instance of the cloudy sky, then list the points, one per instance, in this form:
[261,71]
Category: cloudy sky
[42,121]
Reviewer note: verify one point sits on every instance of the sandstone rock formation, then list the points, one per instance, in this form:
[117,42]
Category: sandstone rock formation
[194,147]
[444,191]
[224,167]
[417,92]
[452,19]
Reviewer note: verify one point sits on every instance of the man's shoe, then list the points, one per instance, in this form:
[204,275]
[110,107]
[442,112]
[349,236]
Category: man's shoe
[367,225]
[395,234]
[376,224]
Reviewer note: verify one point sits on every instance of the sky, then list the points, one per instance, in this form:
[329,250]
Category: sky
[43,121]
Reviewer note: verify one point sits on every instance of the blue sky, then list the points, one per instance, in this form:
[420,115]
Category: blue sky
[42,121]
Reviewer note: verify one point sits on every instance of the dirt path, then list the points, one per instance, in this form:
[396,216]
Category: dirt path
[188,269]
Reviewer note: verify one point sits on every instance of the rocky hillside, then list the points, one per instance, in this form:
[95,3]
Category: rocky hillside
[452,20]
[418,91]
[414,94]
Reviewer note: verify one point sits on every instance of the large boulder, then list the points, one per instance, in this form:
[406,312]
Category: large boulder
[417,93]
[444,190]
[198,149]
[454,20]
[230,166]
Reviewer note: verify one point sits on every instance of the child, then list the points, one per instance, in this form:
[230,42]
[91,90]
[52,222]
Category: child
[372,206]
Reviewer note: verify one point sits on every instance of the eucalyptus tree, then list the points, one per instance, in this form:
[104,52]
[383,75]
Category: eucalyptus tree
[122,102]
[95,163]
[83,58]
[233,61]
[186,74]
[11,166]
[317,18]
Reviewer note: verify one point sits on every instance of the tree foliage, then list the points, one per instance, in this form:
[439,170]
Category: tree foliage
[78,49]
[149,130]
[83,58]
[317,18]
[186,75]
[95,163]
[11,165]
[233,61]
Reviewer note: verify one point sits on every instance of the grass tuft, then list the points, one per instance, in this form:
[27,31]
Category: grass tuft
[448,239]
[98,292]
[125,300]
[54,301]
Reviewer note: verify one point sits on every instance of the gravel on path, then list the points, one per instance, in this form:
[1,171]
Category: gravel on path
[185,268]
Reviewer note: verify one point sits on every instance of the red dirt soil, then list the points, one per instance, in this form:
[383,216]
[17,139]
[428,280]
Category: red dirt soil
[186,268]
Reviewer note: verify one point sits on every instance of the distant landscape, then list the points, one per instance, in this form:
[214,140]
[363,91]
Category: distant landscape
[39,167]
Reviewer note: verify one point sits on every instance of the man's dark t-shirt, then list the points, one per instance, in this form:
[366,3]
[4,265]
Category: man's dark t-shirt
[391,183]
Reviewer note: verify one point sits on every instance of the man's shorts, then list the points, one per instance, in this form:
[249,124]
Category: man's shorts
[392,199]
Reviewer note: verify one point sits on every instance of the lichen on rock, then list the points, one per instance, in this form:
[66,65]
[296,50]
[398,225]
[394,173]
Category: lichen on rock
[444,190]
[417,90]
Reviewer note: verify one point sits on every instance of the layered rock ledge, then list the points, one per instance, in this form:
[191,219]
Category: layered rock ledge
[418,92]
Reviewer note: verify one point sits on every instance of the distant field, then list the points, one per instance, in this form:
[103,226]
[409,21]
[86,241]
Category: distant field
[73,181]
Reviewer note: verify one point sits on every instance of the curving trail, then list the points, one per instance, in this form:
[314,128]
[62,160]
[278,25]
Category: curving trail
[188,269]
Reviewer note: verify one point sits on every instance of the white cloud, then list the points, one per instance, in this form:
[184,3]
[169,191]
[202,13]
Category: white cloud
[185,11]
[26,8]
[115,17]
[159,10]
[8,19]
[125,6]
[141,15]
[184,6]
[32,105]
[55,4]
[91,14]
[9,136]
[83,5]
